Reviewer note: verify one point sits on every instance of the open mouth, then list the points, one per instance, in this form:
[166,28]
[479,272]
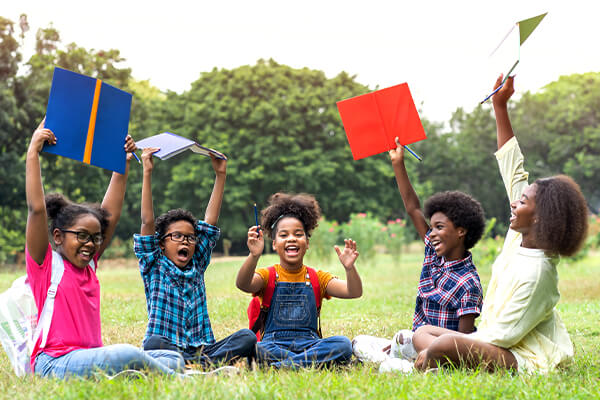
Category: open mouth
[85,254]
[183,253]
[292,250]
[436,244]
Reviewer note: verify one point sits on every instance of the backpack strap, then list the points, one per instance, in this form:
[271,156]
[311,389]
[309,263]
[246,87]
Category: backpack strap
[45,319]
[271,282]
[314,282]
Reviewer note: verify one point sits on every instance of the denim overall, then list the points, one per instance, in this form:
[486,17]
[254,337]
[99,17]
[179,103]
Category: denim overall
[290,338]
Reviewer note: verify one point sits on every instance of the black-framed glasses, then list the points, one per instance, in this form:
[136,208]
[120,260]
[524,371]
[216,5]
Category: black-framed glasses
[84,237]
[180,237]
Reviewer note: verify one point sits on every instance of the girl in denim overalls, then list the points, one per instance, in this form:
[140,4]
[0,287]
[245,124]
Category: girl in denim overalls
[291,334]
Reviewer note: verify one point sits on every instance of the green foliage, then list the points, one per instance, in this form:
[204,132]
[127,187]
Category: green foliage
[488,248]
[282,132]
[322,240]
[12,238]
[395,236]
[366,231]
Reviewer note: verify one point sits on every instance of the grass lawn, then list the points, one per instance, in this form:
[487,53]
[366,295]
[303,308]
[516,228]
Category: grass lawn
[386,306]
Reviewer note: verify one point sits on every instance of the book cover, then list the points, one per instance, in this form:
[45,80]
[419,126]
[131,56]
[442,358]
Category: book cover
[90,119]
[171,144]
[373,120]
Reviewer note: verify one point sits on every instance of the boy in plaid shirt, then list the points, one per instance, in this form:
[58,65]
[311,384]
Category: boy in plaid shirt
[449,293]
[173,255]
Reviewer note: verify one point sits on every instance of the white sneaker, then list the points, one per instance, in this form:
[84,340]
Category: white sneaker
[370,348]
[402,346]
[227,370]
[396,365]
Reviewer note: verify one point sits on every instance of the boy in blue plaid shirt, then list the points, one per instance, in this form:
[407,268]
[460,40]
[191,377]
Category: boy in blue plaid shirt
[449,293]
[173,255]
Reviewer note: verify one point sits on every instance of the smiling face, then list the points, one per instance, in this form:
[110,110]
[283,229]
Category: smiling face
[522,211]
[79,254]
[179,252]
[290,243]
[447,240]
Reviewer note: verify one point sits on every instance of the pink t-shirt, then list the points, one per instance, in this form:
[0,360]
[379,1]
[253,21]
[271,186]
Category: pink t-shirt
[76,318]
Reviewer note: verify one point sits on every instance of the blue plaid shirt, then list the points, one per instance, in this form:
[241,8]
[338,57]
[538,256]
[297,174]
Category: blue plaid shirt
[447,290]
[176,299]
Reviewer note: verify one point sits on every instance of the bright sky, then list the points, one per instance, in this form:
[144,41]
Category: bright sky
[440,48]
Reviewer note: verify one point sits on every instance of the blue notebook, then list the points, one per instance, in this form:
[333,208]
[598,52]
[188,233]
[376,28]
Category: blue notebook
[171,144]
[90,119]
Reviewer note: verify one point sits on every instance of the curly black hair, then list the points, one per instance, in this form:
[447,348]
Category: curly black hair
[302,206]
[63,213]
[460,208]
[165,220]
[562,215]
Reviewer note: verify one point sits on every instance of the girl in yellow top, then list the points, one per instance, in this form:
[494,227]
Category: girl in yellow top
[291,334]
[519,327]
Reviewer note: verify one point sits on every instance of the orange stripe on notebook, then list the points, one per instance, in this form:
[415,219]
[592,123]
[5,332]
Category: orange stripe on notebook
[87,154]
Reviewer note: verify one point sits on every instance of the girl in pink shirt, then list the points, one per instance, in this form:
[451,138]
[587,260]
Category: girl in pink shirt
[80,233]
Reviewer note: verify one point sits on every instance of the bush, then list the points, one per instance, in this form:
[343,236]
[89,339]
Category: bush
[323,239]
[395,235]
[488,248]
[12,234]
[366,231]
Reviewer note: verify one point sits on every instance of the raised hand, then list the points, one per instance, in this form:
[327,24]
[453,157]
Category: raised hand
[129,147]
[500,98]
[256,241]
[40,136]
[219,165]
[349,255]
[397,154]
[147,159]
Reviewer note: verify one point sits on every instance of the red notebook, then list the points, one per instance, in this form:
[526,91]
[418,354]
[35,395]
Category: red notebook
[373,120]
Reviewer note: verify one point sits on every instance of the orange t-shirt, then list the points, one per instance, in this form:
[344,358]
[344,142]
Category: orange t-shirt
[295,276]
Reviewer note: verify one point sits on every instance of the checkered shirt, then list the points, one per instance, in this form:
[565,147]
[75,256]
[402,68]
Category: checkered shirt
[175,298]
[447,290]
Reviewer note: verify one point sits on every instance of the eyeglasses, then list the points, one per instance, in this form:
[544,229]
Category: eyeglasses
[180,237]
[84,237]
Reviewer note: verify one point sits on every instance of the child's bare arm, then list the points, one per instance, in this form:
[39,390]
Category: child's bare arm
[504,131]
[147,208]
[213,209]
[351,288]
[115,195]
[466,323]
[407,192]
[36,233]
[247,279]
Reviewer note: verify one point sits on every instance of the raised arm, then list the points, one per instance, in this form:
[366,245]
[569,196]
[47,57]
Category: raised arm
[147,208]
[115,195]
[247,280]
[213,209]
[409,196]
[36,232]
[351,288]
[504,131]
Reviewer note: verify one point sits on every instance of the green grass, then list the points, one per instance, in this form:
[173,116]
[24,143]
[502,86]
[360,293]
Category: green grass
[387,305]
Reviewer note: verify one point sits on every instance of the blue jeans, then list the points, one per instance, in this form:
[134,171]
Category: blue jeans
[108,359]
[304,351]
[234,347]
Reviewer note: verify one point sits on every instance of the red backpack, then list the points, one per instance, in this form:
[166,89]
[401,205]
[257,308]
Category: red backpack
[257,312]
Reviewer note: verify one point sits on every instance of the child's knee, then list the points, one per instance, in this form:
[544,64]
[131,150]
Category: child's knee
[342,344]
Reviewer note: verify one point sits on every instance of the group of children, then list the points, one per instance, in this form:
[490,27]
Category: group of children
[519,328]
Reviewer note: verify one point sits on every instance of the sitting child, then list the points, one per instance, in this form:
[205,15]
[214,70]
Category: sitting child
[173,255]
[291,336]
[72,343]
[449,293]
[520,328]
